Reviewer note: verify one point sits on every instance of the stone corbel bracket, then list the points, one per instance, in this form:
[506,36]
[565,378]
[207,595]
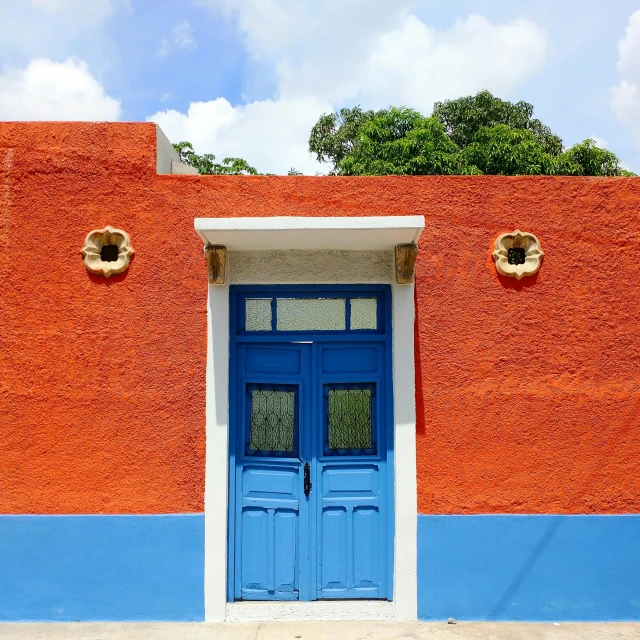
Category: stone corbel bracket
[406,255]
[517,254]
[216,258]
[107,251]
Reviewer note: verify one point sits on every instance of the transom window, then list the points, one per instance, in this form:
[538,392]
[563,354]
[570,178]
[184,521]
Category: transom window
[319,313]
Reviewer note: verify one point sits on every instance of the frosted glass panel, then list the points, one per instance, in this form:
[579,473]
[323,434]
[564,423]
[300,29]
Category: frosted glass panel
[311,314]
[258,314]
[364,313]
[272,421]
[349,419]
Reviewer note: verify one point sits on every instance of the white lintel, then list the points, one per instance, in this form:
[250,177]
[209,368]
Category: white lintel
[291,232]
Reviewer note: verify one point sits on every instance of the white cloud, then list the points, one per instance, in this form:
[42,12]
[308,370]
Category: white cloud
[625,98]
[369,52]
[415,64]
[629,48]
[181,38]
[55,28]
[271,135]
[331,28]
[378,52]
[47,90]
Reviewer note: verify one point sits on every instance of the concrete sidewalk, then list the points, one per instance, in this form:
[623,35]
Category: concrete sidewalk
[370,630]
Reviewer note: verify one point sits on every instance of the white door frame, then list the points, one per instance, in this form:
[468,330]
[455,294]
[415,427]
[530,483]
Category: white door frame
[404,604]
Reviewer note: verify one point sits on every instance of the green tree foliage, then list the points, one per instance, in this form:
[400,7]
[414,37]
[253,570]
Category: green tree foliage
[206,163]
[587,159]
[334,136]
[505,151]
[400,141]
[463,118]
[478,134]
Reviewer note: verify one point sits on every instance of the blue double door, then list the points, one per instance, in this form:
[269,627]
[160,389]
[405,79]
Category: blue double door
[311,488]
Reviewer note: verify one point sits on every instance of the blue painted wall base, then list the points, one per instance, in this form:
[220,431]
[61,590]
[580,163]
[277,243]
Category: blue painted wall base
[55,568]
[64,568]
[535,568]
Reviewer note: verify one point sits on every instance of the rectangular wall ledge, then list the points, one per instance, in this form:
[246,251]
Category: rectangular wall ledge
[102,568]
[537,568]
[282,233]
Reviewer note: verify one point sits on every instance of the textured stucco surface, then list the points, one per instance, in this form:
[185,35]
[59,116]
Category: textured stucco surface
[318,267]
[101,380]
[528,393]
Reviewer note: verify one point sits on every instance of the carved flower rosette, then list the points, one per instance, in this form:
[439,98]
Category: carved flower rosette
[517,254]
[94,251]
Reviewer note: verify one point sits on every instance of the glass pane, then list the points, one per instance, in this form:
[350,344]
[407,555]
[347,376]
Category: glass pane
[349,419]
[258,314]
[311,314]
[272,421]
[364,313]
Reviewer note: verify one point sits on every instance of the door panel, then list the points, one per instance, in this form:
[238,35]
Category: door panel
[286,543]
[264,360]
[265,482]
[366,552]
[359,360]
[333,575]
[269,542]
[255,549]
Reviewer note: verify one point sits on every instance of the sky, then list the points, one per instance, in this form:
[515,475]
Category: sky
[249,78]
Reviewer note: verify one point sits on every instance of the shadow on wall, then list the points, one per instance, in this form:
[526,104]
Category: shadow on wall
[420,409]
[516,285]
[509,595]
[108,281]
[529,567]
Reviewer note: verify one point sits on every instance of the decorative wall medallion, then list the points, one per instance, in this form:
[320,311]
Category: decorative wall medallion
[107,251]
[517,254]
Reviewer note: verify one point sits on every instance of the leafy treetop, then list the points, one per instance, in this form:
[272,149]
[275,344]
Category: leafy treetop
[478,134]
[463,118]
[206,163]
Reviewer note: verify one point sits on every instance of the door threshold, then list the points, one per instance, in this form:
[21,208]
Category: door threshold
[318,610]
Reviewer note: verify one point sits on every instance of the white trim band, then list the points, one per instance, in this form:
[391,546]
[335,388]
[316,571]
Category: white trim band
[281,233]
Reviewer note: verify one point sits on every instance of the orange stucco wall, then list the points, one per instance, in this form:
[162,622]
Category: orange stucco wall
[528,394]
[101,380]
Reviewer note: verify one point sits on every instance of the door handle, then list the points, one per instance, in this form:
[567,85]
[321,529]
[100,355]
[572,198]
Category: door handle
[307,479]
